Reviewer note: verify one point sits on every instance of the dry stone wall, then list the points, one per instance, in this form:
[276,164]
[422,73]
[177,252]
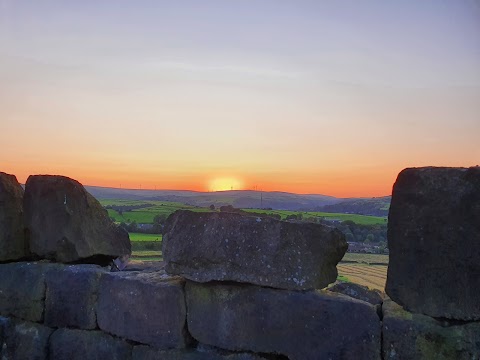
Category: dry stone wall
[52,310]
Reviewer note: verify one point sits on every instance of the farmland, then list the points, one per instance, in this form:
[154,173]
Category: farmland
[365,269]
[152,208]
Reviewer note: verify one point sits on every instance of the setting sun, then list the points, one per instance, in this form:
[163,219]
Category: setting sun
[225,183]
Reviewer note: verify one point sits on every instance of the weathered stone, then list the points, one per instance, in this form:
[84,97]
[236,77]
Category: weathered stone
[300,325]
[262,251]
[148,307]
[434,242]
[144,352]
[22,289]
[12,236]
[3,328]
[69,344]
[372,296]
[67,224]
[409,336]
[25,340]
[71,296]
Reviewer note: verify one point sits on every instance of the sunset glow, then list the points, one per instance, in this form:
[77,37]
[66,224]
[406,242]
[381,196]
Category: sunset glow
[302,96]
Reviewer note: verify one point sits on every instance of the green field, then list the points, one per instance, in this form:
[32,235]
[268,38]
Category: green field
[145,215]
[358,219]
[145,237]
[380,259]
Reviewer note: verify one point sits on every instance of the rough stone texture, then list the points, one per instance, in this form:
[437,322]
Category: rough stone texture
[360,292]
[22,289]
[3,327]
[12,236]
[148,307]
[71,296]
[68,344]
[68,224]
[415,336]
[300,325]
[144,352]
[262,251]
[24,340]
[434,242]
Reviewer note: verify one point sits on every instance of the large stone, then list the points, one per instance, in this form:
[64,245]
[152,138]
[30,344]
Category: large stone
[360,292]
[434,242]
[410,336]
[144,352]
[22,289]
[71,296]
[262,251]
[300,325]
[12,235]
[68,344]
[148,307]
[25,340]
[67,224]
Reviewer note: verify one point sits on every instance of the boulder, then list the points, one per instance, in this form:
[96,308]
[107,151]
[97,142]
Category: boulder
[73,344]
[143,352]
[360,292]
[67,224]
[12,235]
[22,289]
[71,296]
[300,325]
[409,336]
[24,340]
[434,242]
[248,249]
[147,307]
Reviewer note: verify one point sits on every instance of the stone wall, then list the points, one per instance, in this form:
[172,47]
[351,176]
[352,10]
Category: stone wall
[53,310]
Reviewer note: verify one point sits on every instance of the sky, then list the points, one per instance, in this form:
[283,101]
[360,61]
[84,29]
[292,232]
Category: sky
[326,97]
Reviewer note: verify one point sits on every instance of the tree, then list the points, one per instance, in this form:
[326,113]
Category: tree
[212,207]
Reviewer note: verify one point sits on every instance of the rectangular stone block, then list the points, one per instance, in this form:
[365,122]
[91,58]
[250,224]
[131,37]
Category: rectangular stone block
[72,295]
[300,325]
[24,340]
[22,289]
[263,251]
[75,344]
[409,336]
[147,307]
[144,352]
[434,242]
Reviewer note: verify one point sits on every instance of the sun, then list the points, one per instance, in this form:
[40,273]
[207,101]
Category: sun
[225,183]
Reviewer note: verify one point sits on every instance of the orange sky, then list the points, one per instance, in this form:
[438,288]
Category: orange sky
[306,97]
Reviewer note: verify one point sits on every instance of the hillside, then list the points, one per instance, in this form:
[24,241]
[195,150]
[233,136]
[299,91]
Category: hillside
[371,206]
[237,198]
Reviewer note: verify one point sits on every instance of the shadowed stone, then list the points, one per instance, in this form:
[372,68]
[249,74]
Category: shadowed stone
[148,307]
[68,344]
[71,296]
[434,242]
[24,340]
[408,336]
[372,296]
[22,289]
[262,251]
[68,224]
[12,236]
[143,352]
[300,325]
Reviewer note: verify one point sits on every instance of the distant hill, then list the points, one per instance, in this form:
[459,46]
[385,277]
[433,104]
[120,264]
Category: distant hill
[377,206]
[238,198]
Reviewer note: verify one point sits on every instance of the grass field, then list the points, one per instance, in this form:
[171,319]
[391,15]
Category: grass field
[358,219]
[145,215]
[145,237]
